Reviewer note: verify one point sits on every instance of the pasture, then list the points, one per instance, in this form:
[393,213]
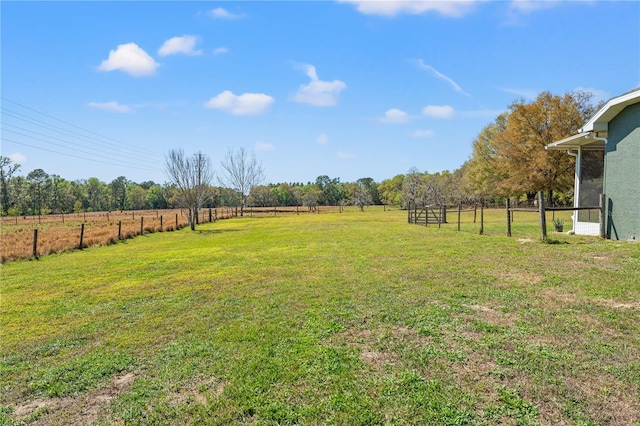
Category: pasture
[345,318]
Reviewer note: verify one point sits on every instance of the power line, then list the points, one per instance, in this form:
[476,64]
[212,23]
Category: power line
[74,156]
[108,154]
[112,140]
[67,132]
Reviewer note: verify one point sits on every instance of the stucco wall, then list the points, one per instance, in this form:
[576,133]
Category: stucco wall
[622,175]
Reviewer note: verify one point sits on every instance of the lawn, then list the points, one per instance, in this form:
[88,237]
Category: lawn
[342,318]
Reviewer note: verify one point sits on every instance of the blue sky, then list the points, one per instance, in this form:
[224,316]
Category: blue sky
[348,89]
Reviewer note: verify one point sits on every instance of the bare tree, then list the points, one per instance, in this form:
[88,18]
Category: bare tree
[191,177]
[241,172]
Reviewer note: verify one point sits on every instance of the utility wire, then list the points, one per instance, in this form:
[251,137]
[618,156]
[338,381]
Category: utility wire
[108,155]
[113,141]
[75,156]
[69,133]
[122,162]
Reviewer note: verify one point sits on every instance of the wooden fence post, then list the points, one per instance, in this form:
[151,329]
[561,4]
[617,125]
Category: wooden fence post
[160,223]
[602,216]
[62,217]
[508,204]
[176,221]
[481,217]
[543,216]
[35,243]
[141,225]
[81,235]
[475,210]
[119,229]
[210,216]
[459,211]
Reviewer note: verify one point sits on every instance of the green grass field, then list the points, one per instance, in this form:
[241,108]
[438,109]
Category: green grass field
[343,318]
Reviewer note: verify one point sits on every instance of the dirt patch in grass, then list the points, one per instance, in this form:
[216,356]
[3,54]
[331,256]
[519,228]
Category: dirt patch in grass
[198,391]
[492,316]
[83,409]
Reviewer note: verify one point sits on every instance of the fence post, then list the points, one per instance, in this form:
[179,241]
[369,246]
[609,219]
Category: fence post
[508,204]
[602,215]
[119,229]
[62,217]
[475,210]
[35,243]
[81,235]
[481,217]
[543,216]
[160,223]
[141,225]
[210,216]
[176,221]
[459,211]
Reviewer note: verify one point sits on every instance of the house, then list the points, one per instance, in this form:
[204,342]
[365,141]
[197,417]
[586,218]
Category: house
[607,151]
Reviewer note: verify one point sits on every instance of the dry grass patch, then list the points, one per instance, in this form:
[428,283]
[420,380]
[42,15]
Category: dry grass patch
[84,409]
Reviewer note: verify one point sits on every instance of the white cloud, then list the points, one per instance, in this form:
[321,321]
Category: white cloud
[345,156]
[221,13]
[598,95]
[395,116]
[18,158]
[185,45]
[422,134]
[263,146]
[318,92]
[521,93]
[245,104]
[528,6]
[220,50]
[111,106]
[435,111]
[130,58]
[441,76]
[449,8]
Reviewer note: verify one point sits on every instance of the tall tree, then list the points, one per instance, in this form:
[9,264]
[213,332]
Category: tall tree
[241,172]
[7,169]
[191,177]
[530,127]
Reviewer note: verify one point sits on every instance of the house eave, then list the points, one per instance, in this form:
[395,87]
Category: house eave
[585,140]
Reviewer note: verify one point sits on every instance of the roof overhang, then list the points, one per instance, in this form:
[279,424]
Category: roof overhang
[600,121]
[585,140]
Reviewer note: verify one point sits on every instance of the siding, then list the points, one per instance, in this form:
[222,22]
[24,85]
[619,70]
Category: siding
[622,175]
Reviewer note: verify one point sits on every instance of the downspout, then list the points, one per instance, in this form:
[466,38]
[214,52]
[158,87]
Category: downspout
[574,217]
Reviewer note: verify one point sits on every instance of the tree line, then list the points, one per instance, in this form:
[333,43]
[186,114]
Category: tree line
[508,160]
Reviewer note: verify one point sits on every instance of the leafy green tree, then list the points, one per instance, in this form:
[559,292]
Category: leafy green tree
[390,191]
[137,197]
[7,169]
[38,185]
[118,188]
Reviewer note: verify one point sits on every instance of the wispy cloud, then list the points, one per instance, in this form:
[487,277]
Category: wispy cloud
[263,146]
[185,45]
[245,104]
[420,63]
[18,158]
[220,50]
[521,93]
[598,95]
[422,134]
[130,58]
[395,116]
[111,106]
[345,156]
[453,9]
[221,13]
[438,111]
[318,92]
[322,139]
